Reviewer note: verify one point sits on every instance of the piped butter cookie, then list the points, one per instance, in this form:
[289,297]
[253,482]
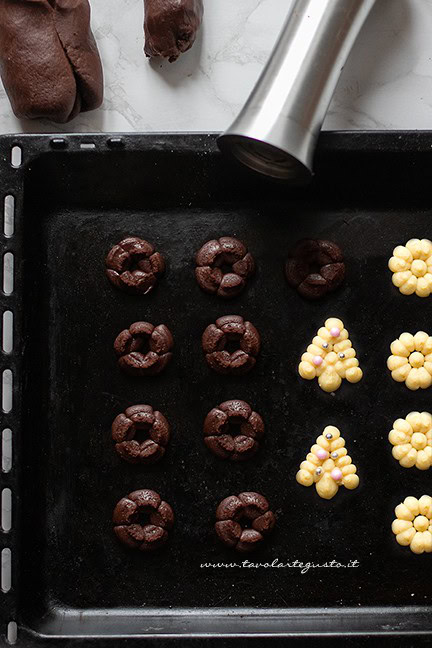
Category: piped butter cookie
[411,265]
[330,357]
[411,360]
[328,465]
[413,524]
[411,439]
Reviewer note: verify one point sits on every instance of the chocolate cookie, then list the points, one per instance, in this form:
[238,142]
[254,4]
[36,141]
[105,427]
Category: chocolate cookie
[227,251]
[131,348]
[251,508]
[315,268]
[226,329]
[131,531]
[220,438]
[124,430]
[134,266]
[171,26]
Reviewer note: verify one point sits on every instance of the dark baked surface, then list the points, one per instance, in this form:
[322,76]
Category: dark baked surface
[226,251]
[134,266]
[141,418]
[136,535]
[232,430]
[231,328]
[171,26]
[131,348]
[315,268]
[49,61]
[248,507]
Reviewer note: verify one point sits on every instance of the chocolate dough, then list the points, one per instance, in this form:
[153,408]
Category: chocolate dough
[134,266]
[170,26]
[146,537]
[227,251]
[49,62]
[229,328]
[315,268]
[233,431]
[131,348]
[235,509]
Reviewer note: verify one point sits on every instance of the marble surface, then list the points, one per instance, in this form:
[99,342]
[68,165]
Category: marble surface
[387,82]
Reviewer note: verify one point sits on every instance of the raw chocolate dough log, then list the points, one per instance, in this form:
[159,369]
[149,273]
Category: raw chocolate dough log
[170,26]
[49,62]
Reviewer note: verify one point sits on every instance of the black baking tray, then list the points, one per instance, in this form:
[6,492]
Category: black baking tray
[72,583]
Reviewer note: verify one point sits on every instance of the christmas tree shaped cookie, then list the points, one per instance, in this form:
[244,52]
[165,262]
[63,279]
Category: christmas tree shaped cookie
[330,357]
[328,465]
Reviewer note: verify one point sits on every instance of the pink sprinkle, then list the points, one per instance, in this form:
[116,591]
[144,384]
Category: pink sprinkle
[335,332]
[317,361]
[336,474]
[322,454]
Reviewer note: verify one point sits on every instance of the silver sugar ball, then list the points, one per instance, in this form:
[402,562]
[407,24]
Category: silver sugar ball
[325,345]
[318,471]
[341,356]
[329,435]
[334,455]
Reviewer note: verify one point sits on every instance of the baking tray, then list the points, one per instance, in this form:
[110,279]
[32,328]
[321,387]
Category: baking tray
[72,583]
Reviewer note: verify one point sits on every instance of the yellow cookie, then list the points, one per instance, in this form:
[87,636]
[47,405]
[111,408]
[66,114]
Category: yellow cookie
[328,465]
[413,524]
[411,265]
[411,360]
[330,357]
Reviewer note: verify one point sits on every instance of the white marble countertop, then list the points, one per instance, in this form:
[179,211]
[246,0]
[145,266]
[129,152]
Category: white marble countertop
[387,82]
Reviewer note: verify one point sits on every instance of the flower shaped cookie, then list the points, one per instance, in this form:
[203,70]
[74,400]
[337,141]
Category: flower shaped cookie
[330,357]
[413,524]
[411,360]
[412,440]
[328,465]
[411,265]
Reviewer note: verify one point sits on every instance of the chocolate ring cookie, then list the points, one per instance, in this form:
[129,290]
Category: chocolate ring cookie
[252,507]
[130,530]
[220,438]
[226,329]
[131,348]
[315,268]
[125,427]
[134,266]
[227,251]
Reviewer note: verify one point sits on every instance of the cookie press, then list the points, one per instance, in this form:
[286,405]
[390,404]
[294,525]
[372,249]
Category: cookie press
[277,130]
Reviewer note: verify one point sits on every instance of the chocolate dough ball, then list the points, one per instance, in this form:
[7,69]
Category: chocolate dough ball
[171,26]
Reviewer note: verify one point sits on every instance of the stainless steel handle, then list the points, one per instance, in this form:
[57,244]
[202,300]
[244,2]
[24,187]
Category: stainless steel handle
[277,130]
